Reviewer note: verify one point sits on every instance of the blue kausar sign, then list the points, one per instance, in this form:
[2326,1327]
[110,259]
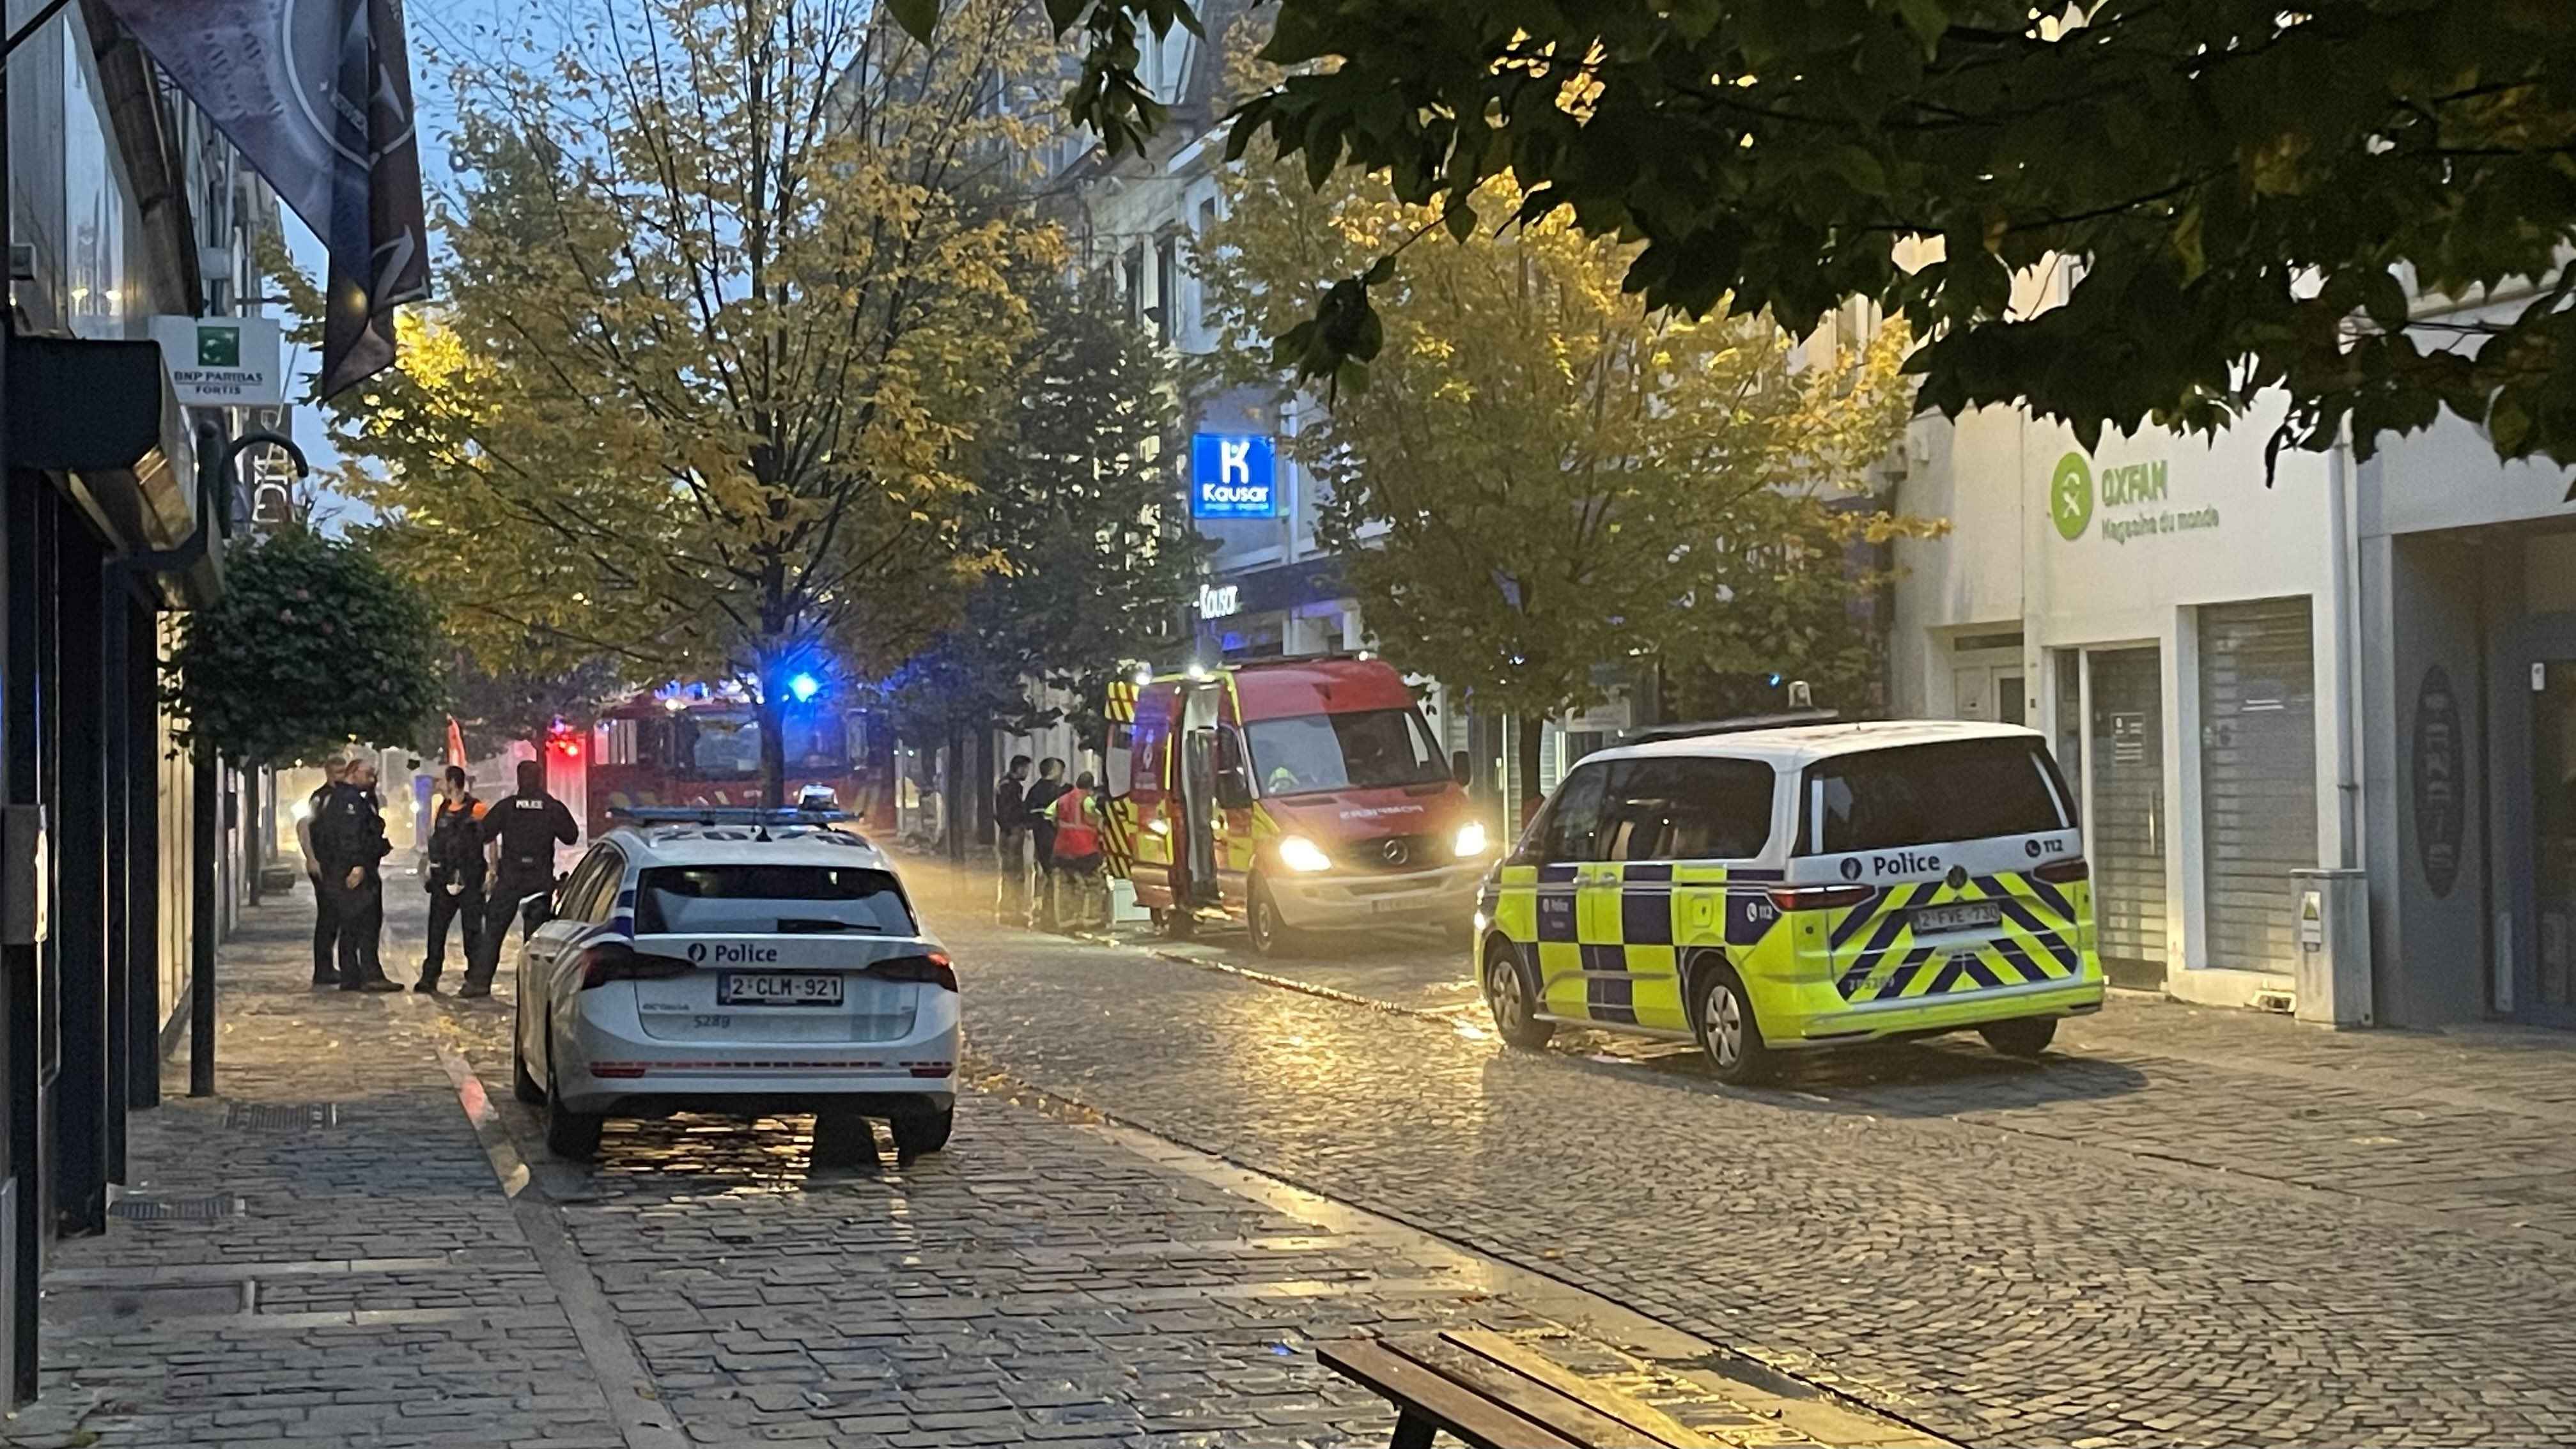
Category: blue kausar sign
[1234,475]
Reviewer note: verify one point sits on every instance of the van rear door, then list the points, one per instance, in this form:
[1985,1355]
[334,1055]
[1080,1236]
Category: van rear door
[1962,848]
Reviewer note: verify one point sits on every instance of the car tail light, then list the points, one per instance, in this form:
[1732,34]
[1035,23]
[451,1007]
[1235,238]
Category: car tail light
[2065,872]
[616,961]
[930,968]
[1819,898]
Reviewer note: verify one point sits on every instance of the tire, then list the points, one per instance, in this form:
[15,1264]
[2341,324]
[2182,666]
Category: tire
[572,1136]
[2025,1037]
[843,1138]
[923,1132]
[1728,1032]
[523,1083]
[1507,996]
[1271,936]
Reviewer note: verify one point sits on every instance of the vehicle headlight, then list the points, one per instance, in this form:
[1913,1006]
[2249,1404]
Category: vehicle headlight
[1471,838]
[1300,854]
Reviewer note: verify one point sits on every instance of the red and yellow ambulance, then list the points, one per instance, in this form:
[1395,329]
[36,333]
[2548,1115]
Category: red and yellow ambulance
[1294,795]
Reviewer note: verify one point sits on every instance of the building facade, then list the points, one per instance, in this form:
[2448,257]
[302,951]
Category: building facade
[2247,671]
[119,860]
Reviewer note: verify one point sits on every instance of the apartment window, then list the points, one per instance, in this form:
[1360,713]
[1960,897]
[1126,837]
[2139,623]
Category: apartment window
[1167,286]
[1135,266]
[1207,224]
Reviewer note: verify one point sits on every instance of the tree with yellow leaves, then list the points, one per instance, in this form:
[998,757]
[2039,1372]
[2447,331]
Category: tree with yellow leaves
[730,297]
[1537,476]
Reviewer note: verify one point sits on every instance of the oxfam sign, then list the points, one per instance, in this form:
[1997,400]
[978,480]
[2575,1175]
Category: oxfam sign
[2070,497]
[2130,497]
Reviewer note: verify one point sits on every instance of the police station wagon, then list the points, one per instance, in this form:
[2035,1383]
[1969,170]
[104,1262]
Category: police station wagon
[1814,885]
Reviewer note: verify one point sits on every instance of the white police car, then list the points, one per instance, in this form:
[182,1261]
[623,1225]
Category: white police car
[738,962]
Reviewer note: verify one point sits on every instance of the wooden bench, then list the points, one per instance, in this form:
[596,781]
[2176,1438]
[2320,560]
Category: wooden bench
[1483,1389]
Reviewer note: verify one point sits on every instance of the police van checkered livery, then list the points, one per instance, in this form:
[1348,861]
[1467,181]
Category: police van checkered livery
[1760,890]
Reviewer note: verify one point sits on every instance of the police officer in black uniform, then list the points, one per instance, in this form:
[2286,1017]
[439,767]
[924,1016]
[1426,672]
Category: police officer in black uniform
[526,827]
[326,927]
[349,836]
[454,879]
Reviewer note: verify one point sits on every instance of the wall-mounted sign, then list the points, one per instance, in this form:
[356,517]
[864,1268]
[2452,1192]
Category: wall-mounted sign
[219,362]
[1218,601]
[2130,496]
[2436,767]
[1234,475]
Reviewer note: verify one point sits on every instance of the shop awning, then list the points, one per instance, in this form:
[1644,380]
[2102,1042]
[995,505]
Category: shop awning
[103,413]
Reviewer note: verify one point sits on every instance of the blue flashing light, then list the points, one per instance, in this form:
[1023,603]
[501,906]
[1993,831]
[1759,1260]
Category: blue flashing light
[1772,679]
[804,687]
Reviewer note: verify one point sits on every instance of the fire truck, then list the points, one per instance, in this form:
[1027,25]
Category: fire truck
[691,745]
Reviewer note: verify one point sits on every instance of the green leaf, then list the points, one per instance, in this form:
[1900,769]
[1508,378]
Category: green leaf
[2187,244]
[1063,13]
[1353,374]
[1928,19]
[917,17]
[1461,219]
[1381,273]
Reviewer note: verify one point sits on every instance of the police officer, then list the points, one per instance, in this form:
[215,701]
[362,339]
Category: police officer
[454,879]
[349,837]
[326,927]
[524,829]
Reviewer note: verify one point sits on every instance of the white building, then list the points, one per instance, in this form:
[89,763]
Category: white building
[2370,666]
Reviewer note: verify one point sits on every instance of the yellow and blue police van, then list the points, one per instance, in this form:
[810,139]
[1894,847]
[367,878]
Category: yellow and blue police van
[1763,890]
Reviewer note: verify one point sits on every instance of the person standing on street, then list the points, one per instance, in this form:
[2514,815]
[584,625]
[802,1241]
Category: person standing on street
[455,878]
[349,836]
[326,927]
[1011,843]
[1042,835]
[523,831]
[1075,814]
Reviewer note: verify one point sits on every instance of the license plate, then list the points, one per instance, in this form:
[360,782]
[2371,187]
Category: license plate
[1977,915]
[776,988]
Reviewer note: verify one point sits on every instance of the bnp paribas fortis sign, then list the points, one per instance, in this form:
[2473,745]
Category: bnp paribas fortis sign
[2133,500]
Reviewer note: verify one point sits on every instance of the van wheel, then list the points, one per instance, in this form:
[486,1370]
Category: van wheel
[1270,934]
[1727,1030]
[1507,995]
[573,1136]
[923,1132]
[843,1138]
[2026,1036]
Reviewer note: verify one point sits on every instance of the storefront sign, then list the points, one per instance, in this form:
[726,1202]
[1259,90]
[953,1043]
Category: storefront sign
[1234,476]
[2437,782]
[222,361]
[2131,497]
[1218,601]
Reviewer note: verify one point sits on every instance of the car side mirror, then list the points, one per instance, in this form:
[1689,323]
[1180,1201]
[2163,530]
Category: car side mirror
[1459,768]
[1233,791]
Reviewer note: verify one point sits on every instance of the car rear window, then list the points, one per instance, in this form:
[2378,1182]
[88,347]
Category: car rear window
[1925,794]
[771,899]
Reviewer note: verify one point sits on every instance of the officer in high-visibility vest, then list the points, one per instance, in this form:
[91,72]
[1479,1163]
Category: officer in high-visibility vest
[522,830]
[1074,874]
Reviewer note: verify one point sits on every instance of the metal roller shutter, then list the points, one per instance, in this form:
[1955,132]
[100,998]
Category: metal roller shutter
[2126,753]
[2258,777]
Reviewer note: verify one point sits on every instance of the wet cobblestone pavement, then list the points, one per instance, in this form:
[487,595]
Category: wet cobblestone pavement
[387,1273]
[2186,1226]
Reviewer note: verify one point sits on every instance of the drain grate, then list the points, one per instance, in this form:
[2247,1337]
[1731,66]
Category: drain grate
[281,1116]
[174,1209]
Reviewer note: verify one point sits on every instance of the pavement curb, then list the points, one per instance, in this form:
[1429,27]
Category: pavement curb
[632,1398]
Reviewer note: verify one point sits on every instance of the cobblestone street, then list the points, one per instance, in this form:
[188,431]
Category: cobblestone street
[1182,1168]
[387,1257]
[2185,1226]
